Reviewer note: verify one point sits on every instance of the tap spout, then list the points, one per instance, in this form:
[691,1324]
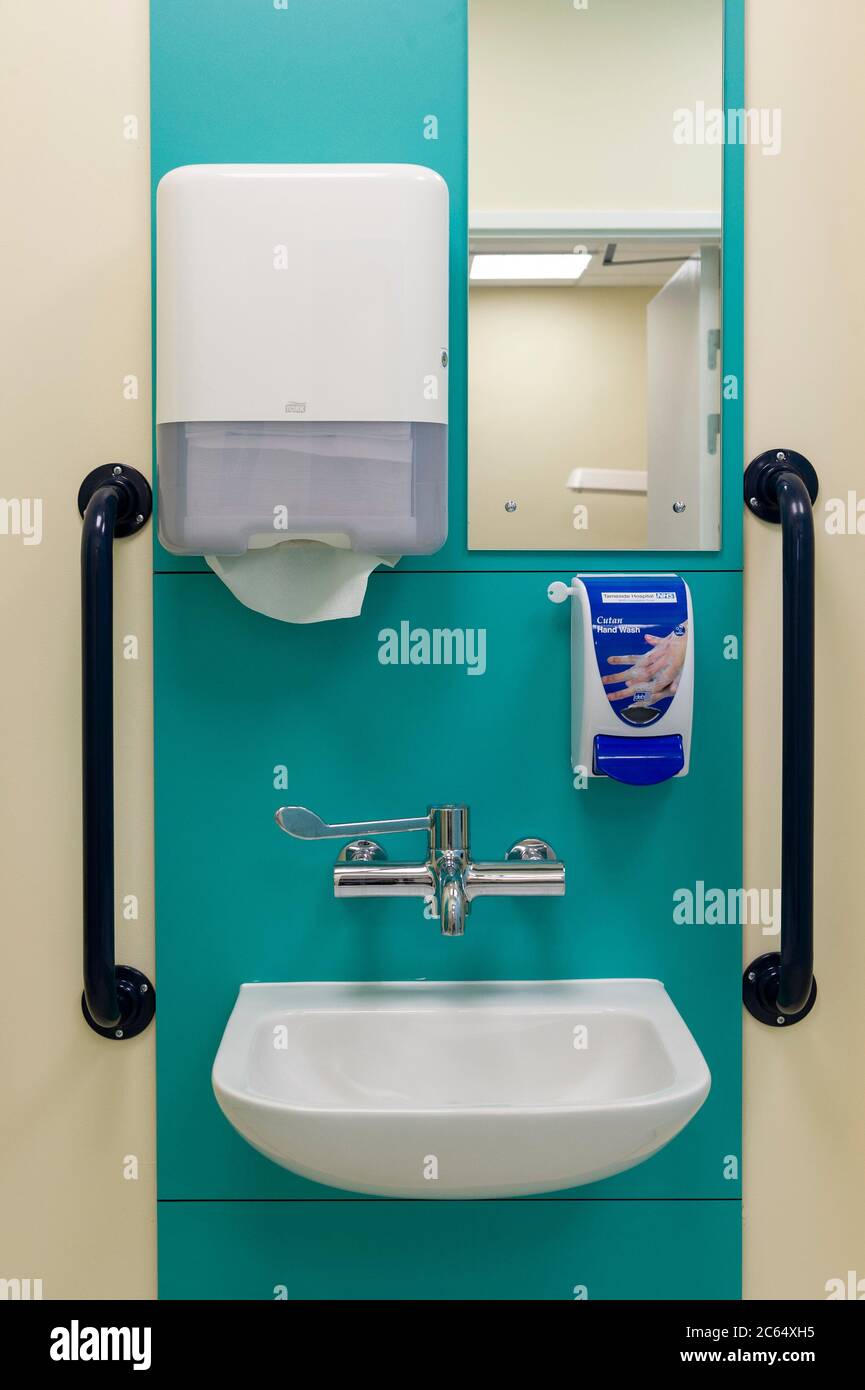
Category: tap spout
[453,904]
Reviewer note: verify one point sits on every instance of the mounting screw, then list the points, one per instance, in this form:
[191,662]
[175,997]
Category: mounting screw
[781,456]
[510,505]
[679,507]
[139,520]
[118,1032]
[142,989]
[753,502]
[780,1020]
[752,975]
[444,359]
[117,470]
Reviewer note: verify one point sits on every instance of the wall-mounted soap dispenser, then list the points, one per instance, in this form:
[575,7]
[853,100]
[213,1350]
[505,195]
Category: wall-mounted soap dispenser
[302,315]
[632,672]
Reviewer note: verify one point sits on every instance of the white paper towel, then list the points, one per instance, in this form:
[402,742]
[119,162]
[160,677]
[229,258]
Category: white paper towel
[299,581]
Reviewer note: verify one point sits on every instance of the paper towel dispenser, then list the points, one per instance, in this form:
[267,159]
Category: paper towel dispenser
[301,364]
[632,672]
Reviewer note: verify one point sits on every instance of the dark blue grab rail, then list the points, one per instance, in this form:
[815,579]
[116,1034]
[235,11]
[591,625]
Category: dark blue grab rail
[115,501]
[779,988]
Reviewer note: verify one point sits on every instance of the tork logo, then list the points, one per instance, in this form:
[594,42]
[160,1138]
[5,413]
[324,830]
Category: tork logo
[76,1343]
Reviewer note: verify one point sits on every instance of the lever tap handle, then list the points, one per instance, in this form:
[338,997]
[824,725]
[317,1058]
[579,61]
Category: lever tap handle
[306,825]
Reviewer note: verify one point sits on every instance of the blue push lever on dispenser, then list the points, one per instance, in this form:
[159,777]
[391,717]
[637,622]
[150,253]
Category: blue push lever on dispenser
[632,671]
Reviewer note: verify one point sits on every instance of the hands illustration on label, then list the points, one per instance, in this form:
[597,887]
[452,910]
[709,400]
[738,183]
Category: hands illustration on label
[651,675]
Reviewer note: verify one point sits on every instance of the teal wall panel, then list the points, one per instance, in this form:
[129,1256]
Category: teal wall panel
[238,695]
[451,1250]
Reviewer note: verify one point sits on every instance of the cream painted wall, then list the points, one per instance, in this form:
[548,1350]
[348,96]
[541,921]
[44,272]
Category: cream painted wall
[804,1157]
[557,381]
[76,312]
[77,320]
[573,107]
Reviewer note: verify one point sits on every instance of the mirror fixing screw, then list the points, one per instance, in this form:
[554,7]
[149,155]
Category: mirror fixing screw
[510,506]
[679,507]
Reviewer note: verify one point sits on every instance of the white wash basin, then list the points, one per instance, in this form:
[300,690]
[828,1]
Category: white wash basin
[432,1089]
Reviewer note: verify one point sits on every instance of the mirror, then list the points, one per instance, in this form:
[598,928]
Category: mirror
[595,194]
